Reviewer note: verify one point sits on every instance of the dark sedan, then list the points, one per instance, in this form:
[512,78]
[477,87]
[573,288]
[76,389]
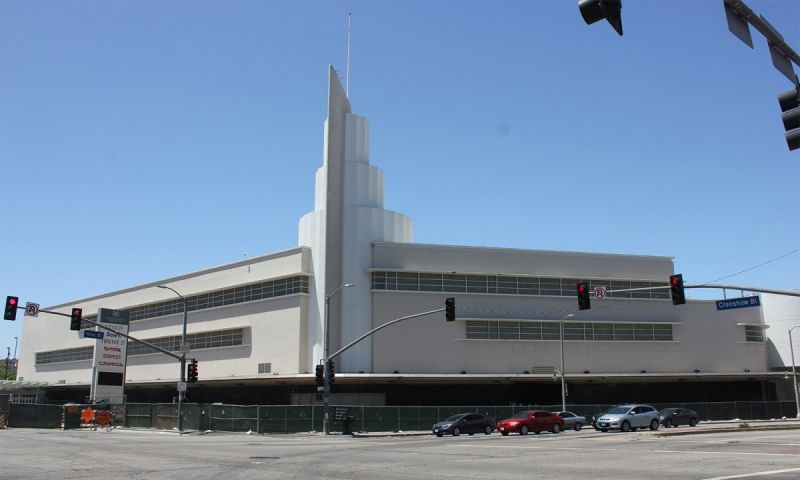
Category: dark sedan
[672,417]
[470,423]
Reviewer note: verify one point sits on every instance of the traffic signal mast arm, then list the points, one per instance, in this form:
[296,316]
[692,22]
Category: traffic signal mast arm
[721,287]
[760,23]
[166,352]
[397,320]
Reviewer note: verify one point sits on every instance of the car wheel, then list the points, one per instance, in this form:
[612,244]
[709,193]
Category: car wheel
[523,430]
[625,427]
[692,422]
[456,432]
[537,432]
[578,427]
[504,433]
[488,430]
[556,428]
[667,423]
[654,424]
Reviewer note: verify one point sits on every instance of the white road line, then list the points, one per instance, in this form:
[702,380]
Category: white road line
[589,450]
[755,474]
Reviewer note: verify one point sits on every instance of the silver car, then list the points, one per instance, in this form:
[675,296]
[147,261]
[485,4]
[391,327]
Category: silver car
[626,418]
[572,421]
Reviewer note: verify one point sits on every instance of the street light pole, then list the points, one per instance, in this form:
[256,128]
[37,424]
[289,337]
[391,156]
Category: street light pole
[326,392]
[182,382]
[16,361]
[563,383]
[794,375]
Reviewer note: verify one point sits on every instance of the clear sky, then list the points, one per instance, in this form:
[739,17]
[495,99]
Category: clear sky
[145,139]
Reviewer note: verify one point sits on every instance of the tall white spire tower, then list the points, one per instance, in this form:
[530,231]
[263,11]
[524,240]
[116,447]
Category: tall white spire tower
[348,216]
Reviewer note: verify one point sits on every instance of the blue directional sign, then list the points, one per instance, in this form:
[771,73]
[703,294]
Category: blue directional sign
[729,304]
[92,334]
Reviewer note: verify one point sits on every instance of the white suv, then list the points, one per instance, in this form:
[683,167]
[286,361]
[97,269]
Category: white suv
[628,418]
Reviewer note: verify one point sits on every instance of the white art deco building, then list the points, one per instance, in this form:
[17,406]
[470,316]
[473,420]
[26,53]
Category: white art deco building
[256,326]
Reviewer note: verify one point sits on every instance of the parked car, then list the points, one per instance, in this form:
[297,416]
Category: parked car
[535,421]
[628,418]
[470,423]
[672,417]
[572,421]
[598,415]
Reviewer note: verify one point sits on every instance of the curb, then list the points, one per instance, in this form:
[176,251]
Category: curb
[728,429]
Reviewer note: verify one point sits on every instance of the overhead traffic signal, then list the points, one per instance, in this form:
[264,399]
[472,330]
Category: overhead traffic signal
[450,309]
[790,114]
[191,371]
[11,308]
[331,371]
[75,319]
[596,10]
[319,375]
[676,289]
[584,303]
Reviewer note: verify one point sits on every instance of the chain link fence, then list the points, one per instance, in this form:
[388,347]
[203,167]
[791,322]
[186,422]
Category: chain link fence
[307,418]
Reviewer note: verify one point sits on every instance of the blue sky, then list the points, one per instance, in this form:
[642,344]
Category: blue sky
[142,140]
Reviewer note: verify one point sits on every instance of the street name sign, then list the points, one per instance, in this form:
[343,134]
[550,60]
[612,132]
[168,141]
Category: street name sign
[743,302]
[97,335]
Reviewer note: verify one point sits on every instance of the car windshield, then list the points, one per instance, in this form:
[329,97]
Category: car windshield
[455,418]
[618,411]
[522,415]
[666,411]
[564,414]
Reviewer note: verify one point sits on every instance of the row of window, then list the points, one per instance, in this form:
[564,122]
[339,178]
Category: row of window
[505,330]
[509,285]
[229,296]
[197,341]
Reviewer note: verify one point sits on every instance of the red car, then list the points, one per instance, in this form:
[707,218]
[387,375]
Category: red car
[531,421]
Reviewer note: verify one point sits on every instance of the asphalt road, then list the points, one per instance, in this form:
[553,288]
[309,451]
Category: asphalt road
[154,455]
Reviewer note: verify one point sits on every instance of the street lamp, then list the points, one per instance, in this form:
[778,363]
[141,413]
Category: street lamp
[326,392]
[16,361]
[794,375]
[182,382]
[563,384]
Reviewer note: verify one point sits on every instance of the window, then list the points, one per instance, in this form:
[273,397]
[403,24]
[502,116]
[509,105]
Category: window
[753,333]
[230,296]
[584,331]
[500,284]
[197,341]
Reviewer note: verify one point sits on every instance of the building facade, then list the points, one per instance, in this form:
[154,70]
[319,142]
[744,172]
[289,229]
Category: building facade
[257,326]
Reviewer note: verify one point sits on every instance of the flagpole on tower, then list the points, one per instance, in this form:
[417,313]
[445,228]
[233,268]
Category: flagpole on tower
[347,82]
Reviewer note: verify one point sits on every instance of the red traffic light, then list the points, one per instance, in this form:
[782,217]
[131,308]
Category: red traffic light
[11,308]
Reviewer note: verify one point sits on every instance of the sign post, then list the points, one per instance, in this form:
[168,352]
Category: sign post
[110,356]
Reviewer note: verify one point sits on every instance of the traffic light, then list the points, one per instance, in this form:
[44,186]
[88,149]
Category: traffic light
[319,375]
[596,10]
[450,309]
[331,371]
[676,289]
[583,297]
[790,114]
[11,308]
[75,319]
[191,371]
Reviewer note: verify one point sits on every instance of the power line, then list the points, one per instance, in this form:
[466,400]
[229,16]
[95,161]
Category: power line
[752,268]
